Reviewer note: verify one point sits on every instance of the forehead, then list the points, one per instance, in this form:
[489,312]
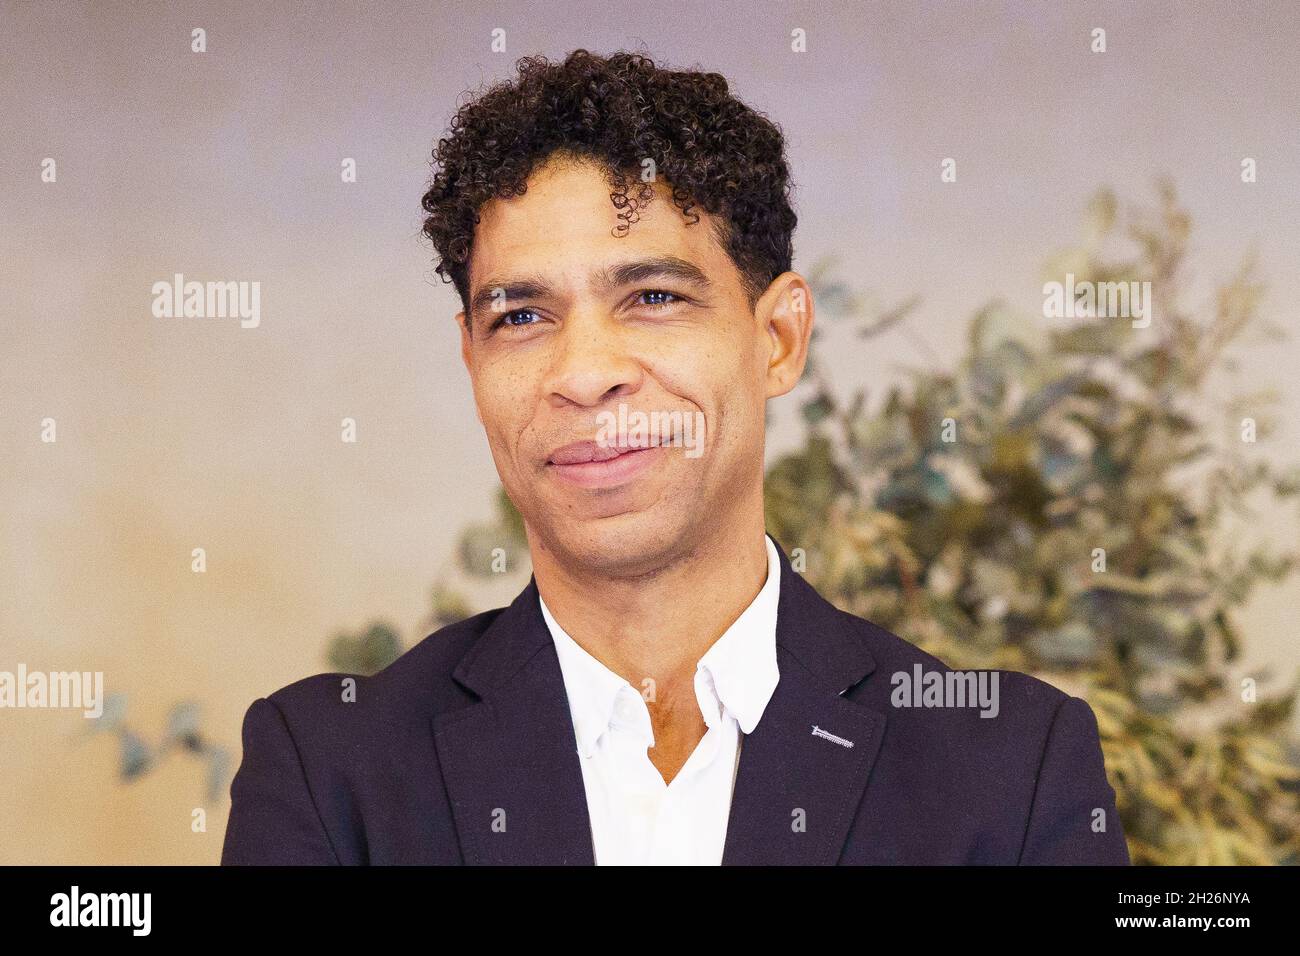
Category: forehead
[563,226]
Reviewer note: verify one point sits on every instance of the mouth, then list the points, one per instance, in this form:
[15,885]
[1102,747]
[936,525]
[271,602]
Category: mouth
[590,465]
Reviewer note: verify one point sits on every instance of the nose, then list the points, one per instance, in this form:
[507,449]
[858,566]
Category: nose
[591,363]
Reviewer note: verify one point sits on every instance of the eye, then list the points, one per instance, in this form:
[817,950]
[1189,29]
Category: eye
[515,318]
[664,298]
[658,299]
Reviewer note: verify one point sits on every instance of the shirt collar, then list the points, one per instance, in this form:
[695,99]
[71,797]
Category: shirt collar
[738,673]
[742,663]
[592,687]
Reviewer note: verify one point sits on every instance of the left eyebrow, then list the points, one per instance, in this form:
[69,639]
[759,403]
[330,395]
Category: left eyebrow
[643,270]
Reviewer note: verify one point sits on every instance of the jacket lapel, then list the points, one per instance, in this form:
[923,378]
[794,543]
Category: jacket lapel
[510,761]
[511,767]
[800,783]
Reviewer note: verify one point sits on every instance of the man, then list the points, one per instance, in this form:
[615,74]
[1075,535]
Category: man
[667,689]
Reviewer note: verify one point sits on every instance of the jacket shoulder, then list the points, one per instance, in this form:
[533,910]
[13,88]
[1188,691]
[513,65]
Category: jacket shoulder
[415,687]
[894,655]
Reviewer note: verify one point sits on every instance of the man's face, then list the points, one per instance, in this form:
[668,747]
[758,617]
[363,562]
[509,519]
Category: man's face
[570,321]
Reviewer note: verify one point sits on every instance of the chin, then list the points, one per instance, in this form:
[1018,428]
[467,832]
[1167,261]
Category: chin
[623,545]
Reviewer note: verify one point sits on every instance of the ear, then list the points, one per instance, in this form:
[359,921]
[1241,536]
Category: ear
[785,314]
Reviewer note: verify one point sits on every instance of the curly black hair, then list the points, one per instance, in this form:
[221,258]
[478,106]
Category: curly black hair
[618,111]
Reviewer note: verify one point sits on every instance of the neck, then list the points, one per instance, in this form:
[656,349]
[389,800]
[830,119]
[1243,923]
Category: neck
[658,625]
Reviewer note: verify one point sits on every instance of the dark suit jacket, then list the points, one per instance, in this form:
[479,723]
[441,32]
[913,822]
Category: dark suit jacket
[463,751]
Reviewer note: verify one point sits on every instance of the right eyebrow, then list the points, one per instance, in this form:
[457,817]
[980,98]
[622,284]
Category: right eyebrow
[510,290]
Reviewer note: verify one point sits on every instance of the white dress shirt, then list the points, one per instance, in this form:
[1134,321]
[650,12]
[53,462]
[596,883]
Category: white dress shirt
[635,817]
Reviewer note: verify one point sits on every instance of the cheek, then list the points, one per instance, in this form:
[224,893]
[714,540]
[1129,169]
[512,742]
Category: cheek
[712,371]
[694,363]
[499,392]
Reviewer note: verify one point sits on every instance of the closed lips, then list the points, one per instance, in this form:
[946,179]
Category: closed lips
[581,452]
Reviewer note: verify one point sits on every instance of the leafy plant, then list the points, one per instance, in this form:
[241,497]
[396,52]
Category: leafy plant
[181,734]
[1037,509]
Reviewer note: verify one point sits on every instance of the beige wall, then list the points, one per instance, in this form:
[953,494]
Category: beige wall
[175,434]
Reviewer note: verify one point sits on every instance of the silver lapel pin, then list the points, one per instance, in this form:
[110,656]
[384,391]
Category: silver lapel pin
[818,732]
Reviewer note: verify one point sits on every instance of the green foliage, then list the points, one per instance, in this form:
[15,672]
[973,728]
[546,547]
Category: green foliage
[182,734]
[365,653]
[504,535]
[979,542]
